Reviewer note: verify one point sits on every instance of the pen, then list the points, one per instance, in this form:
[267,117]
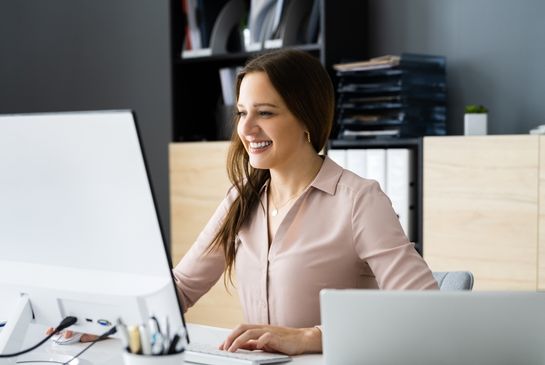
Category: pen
[156,336]
[173,343]
[166,335]
[182,343]
[155,326]
[145,340]
[157,344]
[123,334]
[134,339]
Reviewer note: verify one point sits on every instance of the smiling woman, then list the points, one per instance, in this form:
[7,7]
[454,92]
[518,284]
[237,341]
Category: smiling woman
[294,222]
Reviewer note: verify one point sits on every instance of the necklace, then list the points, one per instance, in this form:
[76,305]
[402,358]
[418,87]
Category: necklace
[276,208]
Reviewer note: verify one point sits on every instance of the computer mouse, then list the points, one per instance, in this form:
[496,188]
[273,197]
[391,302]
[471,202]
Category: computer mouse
[59,338]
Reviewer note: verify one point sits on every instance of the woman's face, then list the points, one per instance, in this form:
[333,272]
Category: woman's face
[270,133]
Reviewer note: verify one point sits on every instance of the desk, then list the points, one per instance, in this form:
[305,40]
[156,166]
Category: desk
[109,352]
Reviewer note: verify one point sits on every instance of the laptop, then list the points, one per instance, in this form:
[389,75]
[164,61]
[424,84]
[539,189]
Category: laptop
[432,327]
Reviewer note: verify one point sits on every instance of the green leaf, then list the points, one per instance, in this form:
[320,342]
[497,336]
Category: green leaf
[475,109]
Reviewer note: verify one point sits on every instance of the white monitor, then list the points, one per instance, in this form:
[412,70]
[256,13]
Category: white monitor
[79,230]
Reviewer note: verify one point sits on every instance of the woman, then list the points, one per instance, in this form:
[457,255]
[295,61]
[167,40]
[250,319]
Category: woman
[294,222]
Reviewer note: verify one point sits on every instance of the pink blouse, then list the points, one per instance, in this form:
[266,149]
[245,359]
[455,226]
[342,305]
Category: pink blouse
[340,233]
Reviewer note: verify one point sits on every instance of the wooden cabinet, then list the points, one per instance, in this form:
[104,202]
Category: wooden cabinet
[483,202]
[541,217]
[198,183]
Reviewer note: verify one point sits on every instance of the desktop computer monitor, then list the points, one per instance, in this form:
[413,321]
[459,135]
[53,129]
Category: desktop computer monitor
[79,230]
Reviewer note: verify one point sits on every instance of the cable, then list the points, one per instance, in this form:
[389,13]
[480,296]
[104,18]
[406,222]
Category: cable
[111,331]
[66,322]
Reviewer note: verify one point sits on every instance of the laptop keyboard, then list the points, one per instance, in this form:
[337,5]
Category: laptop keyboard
[209,355]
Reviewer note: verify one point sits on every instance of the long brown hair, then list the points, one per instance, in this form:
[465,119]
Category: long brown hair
[306,88]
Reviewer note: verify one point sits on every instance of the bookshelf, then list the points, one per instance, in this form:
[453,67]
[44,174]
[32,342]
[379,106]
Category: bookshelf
[196,86]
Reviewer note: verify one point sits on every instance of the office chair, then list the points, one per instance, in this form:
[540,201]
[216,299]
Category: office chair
[454,280]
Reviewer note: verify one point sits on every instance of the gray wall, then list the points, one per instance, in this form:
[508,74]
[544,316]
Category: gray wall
[495,53]
[86,55]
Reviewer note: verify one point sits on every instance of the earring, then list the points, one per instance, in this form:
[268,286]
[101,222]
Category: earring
[308,136]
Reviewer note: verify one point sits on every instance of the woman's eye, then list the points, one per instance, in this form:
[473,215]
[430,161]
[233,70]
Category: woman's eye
[241,114]
[265,114]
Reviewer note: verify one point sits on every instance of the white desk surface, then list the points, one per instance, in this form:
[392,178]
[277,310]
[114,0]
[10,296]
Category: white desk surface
[109,352]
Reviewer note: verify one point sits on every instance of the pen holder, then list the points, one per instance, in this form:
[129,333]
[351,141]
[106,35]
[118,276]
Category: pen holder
[169,359]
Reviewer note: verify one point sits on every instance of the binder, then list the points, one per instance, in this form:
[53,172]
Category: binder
[338,156]
[207,13]
[227,79]
[217,25]
[376,166]
[313,24]
[278,14]
[400,186]
[356,161]
[292,26]
[260,11]
[190,8]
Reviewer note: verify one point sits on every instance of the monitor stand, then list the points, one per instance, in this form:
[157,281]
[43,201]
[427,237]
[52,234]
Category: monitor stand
[14,332]
[13,335]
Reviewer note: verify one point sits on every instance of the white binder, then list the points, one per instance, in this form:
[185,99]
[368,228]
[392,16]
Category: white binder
[356,161]
[399,185]
[338,156]
[376,166]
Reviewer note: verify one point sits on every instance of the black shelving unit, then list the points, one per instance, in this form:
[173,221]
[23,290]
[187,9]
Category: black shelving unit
[416,145]
[196,87]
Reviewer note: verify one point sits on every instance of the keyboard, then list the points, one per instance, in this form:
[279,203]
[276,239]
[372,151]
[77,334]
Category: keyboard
[209,355]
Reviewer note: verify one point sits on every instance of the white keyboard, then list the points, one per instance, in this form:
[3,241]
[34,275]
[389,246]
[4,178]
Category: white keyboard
[207,354]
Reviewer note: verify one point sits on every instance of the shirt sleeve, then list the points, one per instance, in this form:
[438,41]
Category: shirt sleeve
[200,269]
[380,241]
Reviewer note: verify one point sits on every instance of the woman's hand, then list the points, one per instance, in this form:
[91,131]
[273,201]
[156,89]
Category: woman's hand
[289,341]
[67,334]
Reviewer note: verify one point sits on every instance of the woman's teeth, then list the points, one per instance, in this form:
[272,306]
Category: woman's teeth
[257,145]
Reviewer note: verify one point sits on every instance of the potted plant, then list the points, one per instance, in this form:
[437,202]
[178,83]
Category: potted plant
[475,120]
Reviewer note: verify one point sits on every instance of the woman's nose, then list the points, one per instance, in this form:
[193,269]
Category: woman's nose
[247,125]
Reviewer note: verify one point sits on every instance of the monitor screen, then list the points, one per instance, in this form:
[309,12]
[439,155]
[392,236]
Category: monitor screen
[79,230]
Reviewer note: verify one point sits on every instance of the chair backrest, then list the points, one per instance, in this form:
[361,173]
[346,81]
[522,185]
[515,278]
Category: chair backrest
[454,280]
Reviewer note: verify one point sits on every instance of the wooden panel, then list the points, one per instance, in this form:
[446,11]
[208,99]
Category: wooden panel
[541,228]
[198,183]
[480,208]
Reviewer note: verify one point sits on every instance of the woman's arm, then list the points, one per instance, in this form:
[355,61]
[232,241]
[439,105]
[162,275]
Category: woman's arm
[200,269]
[380,241]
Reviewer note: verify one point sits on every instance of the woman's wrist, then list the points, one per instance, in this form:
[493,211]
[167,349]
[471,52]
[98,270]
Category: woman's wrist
[312,340]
